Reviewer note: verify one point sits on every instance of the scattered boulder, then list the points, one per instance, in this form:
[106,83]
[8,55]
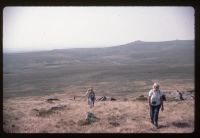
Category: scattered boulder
[51,99]
[90,117]
[45,112]
[141,98]
[58,107]
[103,98]
[113,99]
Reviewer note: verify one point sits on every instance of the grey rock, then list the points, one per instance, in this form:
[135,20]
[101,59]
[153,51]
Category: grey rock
[103,98]
[50,99]
[179,96]
[141,98]
[90,117]
[58,107]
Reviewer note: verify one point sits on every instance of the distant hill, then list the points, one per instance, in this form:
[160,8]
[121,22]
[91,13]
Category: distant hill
[172,52]
[133,61]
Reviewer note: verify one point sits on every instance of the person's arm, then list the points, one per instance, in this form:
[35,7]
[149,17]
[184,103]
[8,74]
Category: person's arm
[161,102]
[149,99]
[86,94]
[94,96]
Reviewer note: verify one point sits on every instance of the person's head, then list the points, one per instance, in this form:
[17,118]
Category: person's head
[91,88]
[155,86]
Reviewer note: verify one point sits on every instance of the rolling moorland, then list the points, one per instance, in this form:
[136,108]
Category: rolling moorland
[123,72]
[123,69]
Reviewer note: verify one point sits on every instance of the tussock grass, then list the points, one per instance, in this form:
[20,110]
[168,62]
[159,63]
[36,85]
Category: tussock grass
[36,115]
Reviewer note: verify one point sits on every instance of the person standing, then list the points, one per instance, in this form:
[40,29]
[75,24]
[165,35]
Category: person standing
[155,103]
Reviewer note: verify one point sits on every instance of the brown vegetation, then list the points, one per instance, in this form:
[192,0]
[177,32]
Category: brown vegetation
[37,115]
[50,86]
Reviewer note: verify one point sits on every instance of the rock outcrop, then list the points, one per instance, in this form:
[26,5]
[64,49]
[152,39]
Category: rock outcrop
[179,95]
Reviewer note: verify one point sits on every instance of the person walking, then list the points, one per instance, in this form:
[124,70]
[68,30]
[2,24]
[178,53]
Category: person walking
[90,100]
[90,97]
[155,103]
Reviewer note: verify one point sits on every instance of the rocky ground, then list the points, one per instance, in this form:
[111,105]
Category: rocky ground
[59,113]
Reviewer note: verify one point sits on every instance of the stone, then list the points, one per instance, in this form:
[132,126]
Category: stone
[103,98]
[50,99]
[113,99]
[90,117]
[141,98]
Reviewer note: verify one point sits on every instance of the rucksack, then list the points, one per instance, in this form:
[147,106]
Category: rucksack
[164,97]
[92,95]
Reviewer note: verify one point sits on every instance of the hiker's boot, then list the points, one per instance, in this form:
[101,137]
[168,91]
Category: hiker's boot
[152,122]
[156,124]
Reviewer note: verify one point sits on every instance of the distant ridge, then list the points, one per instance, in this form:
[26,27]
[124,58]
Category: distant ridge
[140,42]
[38,71]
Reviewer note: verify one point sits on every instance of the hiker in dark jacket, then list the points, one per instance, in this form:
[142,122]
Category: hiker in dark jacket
[155,103]
[90,97]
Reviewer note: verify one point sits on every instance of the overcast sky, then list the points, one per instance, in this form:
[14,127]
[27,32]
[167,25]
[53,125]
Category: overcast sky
[47,28]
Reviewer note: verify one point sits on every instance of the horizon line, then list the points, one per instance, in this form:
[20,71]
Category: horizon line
[136,41]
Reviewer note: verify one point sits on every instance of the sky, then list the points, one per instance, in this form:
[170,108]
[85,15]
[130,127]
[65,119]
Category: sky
[48,28]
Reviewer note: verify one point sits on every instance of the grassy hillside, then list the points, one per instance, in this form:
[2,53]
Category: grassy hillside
[117,68]
[124,72]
